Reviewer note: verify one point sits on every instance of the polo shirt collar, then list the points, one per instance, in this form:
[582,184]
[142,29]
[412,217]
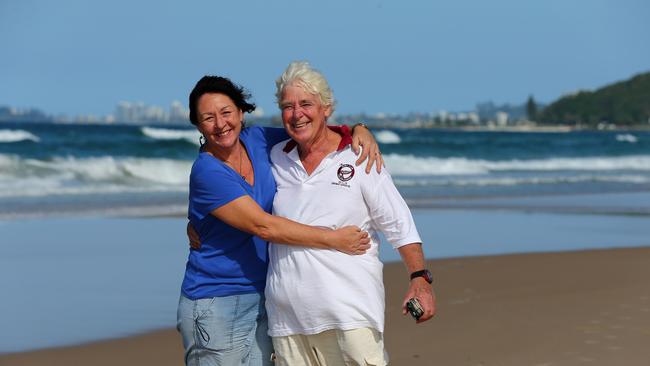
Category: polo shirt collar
[343,130]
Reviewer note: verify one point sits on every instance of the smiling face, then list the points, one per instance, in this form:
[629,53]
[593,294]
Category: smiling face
[219,121]
[303,115]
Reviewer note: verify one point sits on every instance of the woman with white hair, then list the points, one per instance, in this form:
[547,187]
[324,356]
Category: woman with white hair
[326,308]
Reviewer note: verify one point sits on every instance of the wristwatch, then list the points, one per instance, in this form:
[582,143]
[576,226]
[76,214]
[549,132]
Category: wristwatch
[360,124]
[423,273]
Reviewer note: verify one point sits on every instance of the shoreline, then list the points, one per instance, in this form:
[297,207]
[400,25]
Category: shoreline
[611,203]
[558,308]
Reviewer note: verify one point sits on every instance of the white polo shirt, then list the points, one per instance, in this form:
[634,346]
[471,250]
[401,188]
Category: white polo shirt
[311,290]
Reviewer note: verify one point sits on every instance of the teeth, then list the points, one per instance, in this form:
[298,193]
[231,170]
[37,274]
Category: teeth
[223,133]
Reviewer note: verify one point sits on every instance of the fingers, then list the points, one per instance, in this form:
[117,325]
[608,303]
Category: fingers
[193,236]
[355,147]
[362,246]
[428,303]
[362,242]
[428,314]
[425,296]
[372,159]
[380,162]
[362,157]
[355,241]
[404,310]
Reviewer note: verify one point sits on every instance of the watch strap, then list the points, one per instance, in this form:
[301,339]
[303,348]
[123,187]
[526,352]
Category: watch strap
[423,273]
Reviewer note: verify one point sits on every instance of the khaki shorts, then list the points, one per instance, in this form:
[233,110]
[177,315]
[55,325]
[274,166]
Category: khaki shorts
[363,346]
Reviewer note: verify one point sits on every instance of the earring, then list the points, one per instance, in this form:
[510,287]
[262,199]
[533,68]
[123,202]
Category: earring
[201,142]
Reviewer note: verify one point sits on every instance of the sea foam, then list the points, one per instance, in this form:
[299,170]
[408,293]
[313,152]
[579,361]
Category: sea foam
[170,134]
[514,181]
[387,137]
[71,176]
[17,136]
[413,165]
[627,137]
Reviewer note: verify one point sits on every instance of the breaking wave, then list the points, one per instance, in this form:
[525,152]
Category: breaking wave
[171,134]
[17,136]
[412,165]
[387,137]
[68,175]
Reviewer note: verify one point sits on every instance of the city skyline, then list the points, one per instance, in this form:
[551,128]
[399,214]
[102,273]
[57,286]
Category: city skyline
[140,113]
[75,57]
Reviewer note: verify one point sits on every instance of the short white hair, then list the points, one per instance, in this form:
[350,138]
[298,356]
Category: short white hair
[300,73]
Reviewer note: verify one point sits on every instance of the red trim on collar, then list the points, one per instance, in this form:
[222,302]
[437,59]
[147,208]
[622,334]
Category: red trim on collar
[343,130]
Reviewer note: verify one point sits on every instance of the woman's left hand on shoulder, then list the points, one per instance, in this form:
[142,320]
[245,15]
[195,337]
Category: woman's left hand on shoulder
[361,136]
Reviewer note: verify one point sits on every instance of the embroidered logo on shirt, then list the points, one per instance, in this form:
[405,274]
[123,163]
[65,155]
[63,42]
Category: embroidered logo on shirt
[344,173]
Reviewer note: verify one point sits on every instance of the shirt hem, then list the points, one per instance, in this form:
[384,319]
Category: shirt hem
[230,293]
[322,328]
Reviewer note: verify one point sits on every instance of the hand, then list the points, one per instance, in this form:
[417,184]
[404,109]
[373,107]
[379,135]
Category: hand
[351,240]
[193,236]
[361,136]
[421,290]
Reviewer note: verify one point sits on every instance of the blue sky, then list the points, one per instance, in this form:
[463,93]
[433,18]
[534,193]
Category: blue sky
[82,57]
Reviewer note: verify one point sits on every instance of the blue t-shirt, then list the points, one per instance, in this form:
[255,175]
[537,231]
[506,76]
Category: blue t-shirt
[229,261]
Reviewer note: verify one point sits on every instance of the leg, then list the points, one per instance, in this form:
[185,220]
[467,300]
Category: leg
[362,346]
[223,330]
[261,345]
[356,347]
[294,350]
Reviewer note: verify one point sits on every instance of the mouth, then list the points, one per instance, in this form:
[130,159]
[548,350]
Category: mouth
[223,133]
[300,125]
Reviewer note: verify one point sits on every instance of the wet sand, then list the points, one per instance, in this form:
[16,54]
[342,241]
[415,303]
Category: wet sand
[568,308]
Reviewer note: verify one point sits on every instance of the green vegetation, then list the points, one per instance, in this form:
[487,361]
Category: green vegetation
[622,103]
[531,109]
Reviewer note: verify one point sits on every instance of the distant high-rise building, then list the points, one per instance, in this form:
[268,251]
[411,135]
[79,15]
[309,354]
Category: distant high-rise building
[473,117]
[123,112]
[502,118]
[178,112]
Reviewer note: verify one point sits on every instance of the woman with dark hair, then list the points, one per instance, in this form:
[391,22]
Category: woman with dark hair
[221,314]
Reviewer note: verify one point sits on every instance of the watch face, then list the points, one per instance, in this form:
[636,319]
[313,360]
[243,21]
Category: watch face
[428,276]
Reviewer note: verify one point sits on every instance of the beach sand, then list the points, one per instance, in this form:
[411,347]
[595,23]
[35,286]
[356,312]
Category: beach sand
[568,308]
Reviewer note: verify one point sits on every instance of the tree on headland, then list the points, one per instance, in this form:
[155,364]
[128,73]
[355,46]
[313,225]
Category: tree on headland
[531,108]
[623,103]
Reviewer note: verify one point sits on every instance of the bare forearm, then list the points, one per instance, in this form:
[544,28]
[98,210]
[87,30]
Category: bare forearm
[419,288]
[244,214]
[412,256]
[281,230]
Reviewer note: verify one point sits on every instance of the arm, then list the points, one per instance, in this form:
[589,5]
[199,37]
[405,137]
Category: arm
[391,215]
[228,201]
[361,136]
[244,214]
[419,288]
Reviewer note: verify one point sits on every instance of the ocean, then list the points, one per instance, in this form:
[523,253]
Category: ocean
[50,169]
[92,227]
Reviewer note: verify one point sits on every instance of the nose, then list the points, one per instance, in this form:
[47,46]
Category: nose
[219,122]
[297,113]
